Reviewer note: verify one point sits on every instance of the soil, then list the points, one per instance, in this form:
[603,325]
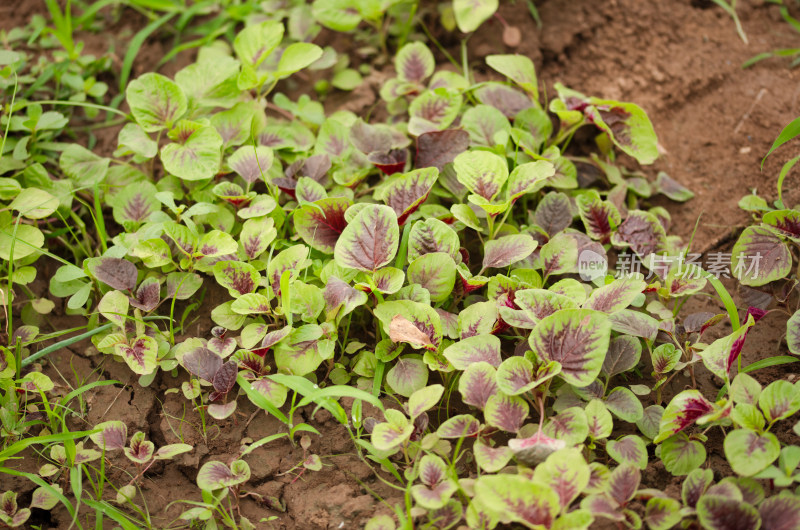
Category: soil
[680,60]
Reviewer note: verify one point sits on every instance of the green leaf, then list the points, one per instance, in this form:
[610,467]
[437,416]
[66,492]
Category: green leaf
[197,155]
[436,272]
[155,101]
[682,455]
[472,13]
[257,41]
[779,400]
[338,15]
[297,56]
[83,167]
[518,68]
[788,133]
[749,452]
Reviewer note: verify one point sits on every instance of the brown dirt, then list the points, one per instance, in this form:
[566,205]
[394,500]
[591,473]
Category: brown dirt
[679,60]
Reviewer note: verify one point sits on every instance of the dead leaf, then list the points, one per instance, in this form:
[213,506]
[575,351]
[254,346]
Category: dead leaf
[403,330]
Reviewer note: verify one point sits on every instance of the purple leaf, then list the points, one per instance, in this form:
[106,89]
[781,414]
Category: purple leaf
[439,148]
[225,377]
[642,232]
[341,298]
[554,213]
[117,273]
[719,513]
[203,363]
[148,295]
[391,162]
[780,512]
[506,250]
[504,98]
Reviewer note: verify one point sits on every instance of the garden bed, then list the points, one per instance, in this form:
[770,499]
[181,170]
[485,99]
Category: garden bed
[680,61]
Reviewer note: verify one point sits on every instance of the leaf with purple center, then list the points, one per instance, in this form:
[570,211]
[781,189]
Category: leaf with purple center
[577,339]
[491,459]
[251,163]
[716,512]
[684,410]
[141,354]
[405,193]
[433,110]
[256,235]
[529,177]
[215,475]
[370,240]
[459,426]
[615,296]
[408,375]
[113,435]
[629,449]
[505,412]
[514,498]
[784,222]
[436,272]
[600,218]
[392,433]
[195,153]
[437,487]
[760,256]
[477,384]
[482,173]
[237,277]
[414,63]
[139,450]
[474,349]
[569,425]
[135,204]
[749,452]
[566,472]
[156,102]
[506,250]
[148,295]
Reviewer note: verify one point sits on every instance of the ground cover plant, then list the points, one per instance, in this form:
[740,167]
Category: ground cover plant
[478,283]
